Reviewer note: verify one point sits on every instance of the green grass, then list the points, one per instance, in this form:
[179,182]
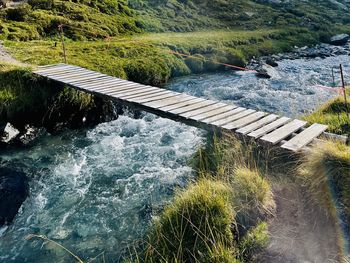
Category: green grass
[334,114]
[147,58]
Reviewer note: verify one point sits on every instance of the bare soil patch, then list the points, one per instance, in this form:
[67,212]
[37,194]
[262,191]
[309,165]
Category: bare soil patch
[301,231]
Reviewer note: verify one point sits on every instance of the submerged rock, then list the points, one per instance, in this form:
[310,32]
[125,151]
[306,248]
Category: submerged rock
[340,40]
[13,192]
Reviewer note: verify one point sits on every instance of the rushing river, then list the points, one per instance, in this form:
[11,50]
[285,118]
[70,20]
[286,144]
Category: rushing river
[96,191]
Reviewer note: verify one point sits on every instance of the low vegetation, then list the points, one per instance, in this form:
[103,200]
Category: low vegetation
[335,114]
[219,218]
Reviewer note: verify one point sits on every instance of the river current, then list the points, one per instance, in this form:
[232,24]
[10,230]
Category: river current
[96,191]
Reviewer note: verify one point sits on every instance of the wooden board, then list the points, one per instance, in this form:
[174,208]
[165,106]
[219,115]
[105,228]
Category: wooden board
[149,99]
[64,72]
[89,81]
[168,102]
[72,81]
[223,115]
[193,107]
[106,86]
[44,71]
[232,118]
[244,121]
[181,104]
[144,93]
[118,86]
[305,137]
[212,113]
[102,84]
[285,131]
[129,91]
[269,127]
[204,110]
[258,124]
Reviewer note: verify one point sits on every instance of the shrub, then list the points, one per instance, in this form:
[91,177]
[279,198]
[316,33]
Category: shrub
[253,196]
[195,63]
[20,13]
[255,239]
[194,224]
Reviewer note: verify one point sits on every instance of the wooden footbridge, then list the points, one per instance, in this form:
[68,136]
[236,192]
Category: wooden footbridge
[290,134]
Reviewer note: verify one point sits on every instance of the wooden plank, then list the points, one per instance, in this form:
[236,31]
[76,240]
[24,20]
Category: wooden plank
[193,107]
[105,84]
[75,77]
[258,124]
[167,102]
[90,81]
[113,90]
[182,104]
[87,78]
[144,100]
[118,86]
[97,87]
[245,121]
[62,72]
[285,131]
[146,96]
[53,69]
[213,113]
[232,118]
[50,66]
[203,110]
[145,93]
[223,115]
[305,137]
[68,71]
[137,92]
[269,127]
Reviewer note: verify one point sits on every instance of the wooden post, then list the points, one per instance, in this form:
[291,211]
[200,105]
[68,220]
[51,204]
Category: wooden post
[60,28]
[344,90]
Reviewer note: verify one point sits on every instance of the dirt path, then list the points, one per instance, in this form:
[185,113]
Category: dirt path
[6,57]
[300,232]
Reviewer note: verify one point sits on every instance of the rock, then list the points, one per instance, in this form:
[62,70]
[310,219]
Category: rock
[13,192]
[8,133]
[266,71]
[271,62]
[30,134]
[340,40]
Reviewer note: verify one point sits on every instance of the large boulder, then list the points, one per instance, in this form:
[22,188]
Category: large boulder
[13,192]
[340,40]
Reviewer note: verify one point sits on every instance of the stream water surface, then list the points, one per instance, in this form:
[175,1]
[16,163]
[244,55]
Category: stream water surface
[96,191]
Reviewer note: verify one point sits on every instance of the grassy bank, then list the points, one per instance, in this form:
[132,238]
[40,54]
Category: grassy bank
[26,99]
[147,58]
[334,114]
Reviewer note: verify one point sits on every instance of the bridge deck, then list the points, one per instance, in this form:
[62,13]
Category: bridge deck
[268,128]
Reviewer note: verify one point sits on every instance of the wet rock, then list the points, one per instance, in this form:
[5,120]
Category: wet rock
[271,62]
[340,40]
[8,133]
[13,192]
[30,134]
[266,71]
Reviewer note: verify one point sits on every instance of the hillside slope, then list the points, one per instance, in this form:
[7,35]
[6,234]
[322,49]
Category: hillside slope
[87,19]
